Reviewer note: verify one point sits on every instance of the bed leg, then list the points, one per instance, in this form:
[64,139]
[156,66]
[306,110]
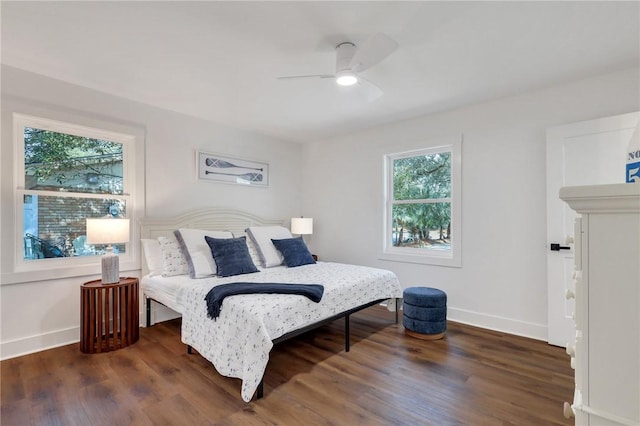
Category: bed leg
[189,349]
[260,390]
[347,343]
[148,312]
[397,309]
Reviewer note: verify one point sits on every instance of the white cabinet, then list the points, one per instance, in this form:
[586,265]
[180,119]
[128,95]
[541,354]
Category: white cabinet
[606,351]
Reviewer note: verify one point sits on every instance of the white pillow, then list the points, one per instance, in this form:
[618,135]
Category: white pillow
[152,255]
[173,260]
[261,236]
[253,251]
[197,251]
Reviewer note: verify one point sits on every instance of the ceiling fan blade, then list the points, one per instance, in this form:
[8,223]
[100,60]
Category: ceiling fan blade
[290,77]
[369,91]
[373,51]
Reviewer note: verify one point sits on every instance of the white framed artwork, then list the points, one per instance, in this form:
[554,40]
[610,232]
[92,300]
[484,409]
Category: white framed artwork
[222,168]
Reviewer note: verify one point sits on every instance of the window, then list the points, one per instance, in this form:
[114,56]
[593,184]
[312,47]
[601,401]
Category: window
[422,212]
[65,174]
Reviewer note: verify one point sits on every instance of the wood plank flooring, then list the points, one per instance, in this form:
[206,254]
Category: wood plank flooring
[471,377]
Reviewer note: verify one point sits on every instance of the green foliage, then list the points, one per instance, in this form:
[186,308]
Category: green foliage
[422,177]
[63,157]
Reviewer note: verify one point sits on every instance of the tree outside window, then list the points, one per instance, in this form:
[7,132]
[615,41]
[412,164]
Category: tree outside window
[62,162]
[421,208]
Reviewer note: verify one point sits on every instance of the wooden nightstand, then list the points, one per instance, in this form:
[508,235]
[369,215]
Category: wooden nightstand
[108,315]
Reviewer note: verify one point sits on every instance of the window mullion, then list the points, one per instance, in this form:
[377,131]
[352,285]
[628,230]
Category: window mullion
[423,201]
[66,194]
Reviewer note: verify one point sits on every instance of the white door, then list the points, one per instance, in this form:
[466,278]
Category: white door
[586,153]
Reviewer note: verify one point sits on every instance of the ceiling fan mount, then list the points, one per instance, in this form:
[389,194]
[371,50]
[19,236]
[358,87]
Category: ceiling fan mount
[351,60]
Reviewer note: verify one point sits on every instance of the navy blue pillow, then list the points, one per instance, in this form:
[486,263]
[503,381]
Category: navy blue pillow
[231,256]
[294,251]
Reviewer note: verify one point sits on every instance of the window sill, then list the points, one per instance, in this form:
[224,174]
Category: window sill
[422,259]
[62,272]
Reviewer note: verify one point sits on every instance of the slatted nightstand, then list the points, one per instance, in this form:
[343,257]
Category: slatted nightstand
[109,315]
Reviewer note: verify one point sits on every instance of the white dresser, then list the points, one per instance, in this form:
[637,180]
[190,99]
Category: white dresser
[606,351]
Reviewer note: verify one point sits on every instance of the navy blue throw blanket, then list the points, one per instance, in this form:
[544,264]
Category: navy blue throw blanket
[218,293]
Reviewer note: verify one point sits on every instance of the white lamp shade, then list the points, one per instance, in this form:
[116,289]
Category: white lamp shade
[107,231]
[302,225]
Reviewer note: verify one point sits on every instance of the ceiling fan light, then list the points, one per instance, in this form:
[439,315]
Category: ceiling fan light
[346,79]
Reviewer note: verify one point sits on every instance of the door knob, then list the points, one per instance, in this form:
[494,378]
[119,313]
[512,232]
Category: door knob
[558,247]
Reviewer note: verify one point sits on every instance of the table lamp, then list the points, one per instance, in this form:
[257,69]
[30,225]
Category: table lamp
[108,231]
[302,226]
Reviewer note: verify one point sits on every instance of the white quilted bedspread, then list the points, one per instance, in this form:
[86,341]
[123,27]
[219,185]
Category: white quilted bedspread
[239,341]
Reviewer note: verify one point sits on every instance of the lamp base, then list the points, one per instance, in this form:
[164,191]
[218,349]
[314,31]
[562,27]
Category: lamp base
[110,268]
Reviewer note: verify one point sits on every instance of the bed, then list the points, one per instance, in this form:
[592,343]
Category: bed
[238,342]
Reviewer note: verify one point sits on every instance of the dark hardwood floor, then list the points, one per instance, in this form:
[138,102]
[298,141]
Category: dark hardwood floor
[471,377]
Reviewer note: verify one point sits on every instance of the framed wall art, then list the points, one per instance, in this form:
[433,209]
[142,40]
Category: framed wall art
[220,168]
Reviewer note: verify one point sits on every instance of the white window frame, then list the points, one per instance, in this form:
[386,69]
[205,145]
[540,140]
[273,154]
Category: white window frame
[28,270]
[452,257]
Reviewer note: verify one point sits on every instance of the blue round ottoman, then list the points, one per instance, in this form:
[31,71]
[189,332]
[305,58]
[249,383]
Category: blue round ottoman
[424,312]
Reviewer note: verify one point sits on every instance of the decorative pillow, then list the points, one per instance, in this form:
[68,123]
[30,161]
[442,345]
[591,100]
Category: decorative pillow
[231,255]
[261,236]
[294,251]
[152,255]
[197,252]
[173,261]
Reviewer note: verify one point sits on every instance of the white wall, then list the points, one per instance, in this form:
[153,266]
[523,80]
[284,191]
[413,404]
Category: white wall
[502,282]
[37,313]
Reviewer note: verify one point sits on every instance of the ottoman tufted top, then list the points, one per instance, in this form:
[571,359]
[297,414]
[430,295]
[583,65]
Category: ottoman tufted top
[425,296]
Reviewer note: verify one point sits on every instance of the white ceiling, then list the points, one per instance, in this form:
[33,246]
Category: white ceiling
[219,60]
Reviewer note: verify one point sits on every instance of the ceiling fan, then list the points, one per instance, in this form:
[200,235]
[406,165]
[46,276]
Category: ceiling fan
[352,60]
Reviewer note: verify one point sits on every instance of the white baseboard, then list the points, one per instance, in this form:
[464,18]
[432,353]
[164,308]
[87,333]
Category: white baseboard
[159,313]
[54,339]
[40,342]
[496,323]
